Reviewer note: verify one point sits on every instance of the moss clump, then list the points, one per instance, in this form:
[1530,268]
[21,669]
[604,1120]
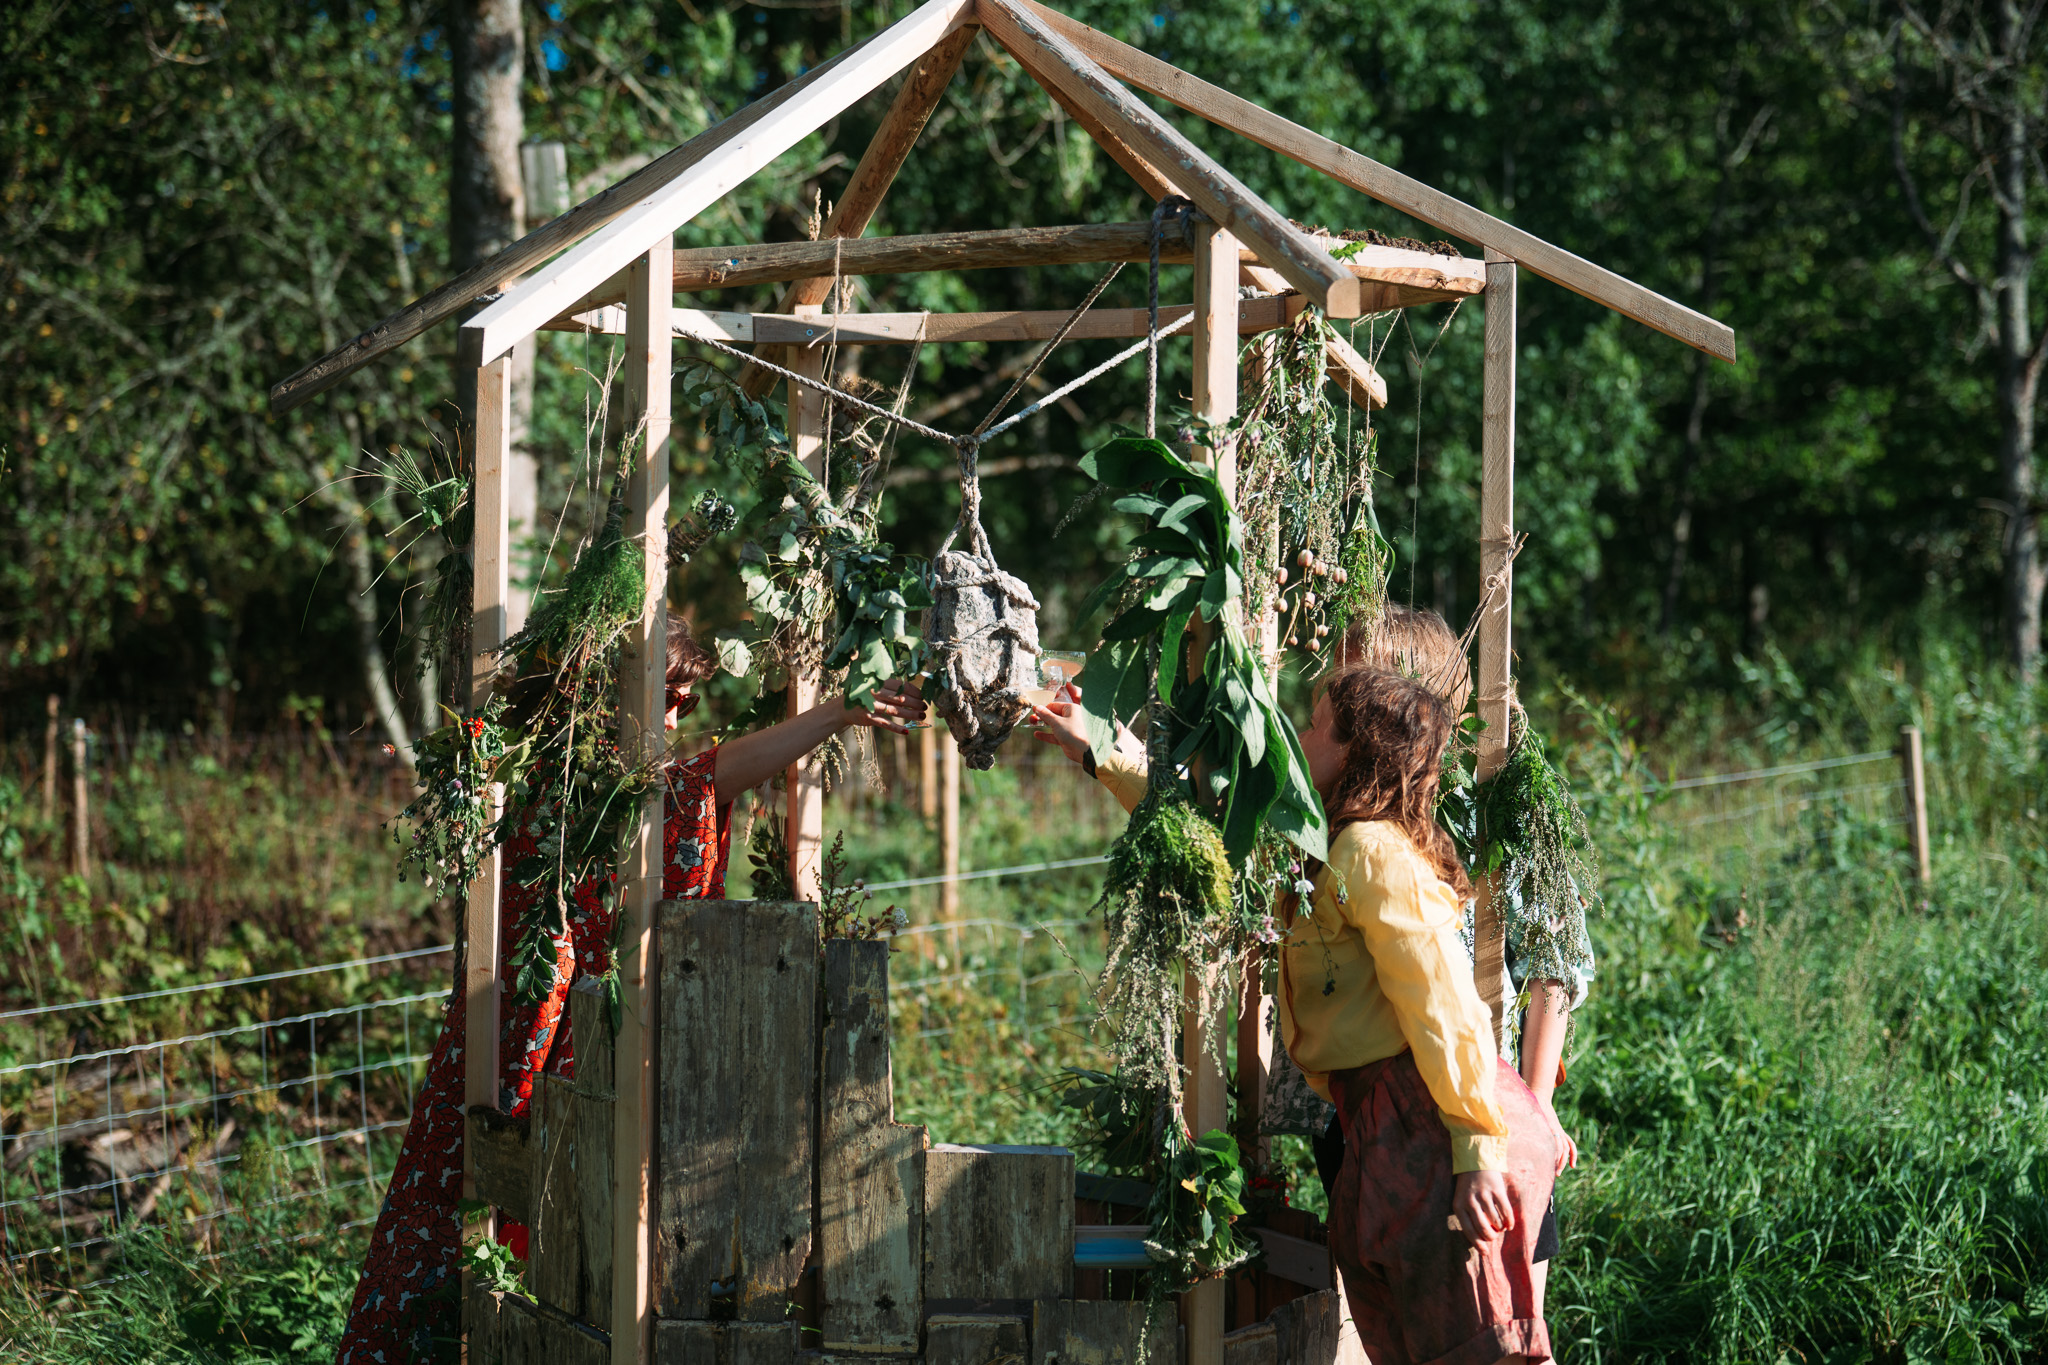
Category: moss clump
[1166,904]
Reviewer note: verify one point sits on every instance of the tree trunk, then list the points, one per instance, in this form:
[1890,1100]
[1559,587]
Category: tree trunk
[362,607]
[2019,374]
[486,203]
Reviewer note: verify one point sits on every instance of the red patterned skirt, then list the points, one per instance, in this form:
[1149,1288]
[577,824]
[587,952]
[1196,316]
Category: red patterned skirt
[405,1306]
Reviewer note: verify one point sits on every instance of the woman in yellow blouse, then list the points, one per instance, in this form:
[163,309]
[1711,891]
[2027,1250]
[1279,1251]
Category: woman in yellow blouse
[1448,1158]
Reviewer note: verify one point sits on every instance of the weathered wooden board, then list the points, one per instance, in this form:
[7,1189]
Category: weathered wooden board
[738,1079]
[1102,1332]
[975,1339]
[1258,1344]
[534,1334]
[500,1160]
[1296,1258]
[554,1258]
[484,1338]
[724,1343]
[590,1033]
[870,1167]
[999,1222]
[1307,1328]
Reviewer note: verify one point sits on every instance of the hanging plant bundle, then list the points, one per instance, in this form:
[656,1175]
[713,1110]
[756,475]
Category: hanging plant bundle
[1167,908]
[1314,553]
[1542,859]
[1225,719]
[981,635]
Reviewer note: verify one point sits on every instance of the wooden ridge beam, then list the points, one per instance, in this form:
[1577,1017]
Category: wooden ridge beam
[534,249]
[528,306]
[1051,57]
[1389,186]
[867,329]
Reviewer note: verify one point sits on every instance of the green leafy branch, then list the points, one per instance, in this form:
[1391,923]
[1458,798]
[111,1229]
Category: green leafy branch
[1188,566]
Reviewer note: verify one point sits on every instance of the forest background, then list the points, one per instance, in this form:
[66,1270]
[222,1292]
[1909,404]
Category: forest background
[1814,1112]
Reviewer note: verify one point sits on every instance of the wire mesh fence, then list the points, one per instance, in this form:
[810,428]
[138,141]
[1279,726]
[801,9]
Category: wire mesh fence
[102,1129]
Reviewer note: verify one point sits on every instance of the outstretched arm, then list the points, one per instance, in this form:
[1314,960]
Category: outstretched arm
[752,759]
[1060,722]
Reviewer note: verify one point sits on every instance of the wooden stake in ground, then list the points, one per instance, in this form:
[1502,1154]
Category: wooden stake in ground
[949,825]
[1495,674]
[1914,771]
[50,764]
[81,815]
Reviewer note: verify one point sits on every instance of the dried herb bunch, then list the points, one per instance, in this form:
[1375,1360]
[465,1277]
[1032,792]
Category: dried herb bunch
[1542,858]
[1313,548]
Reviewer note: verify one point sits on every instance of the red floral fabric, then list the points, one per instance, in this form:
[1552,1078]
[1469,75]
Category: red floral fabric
[405,1306]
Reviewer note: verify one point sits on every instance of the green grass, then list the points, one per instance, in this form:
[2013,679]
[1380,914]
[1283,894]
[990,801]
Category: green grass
[1812,1099]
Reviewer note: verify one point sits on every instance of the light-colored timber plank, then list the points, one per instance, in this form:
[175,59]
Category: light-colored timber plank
[738,1085]
[643,668]
[650,182]
[527,306]
[1390,187]
[999,1222]
[975,1339]
[1218,193]
[489,592]
[1494,675]
[1154,182]
[870,1167]
[590,1033]
[1354,374]
[803,780]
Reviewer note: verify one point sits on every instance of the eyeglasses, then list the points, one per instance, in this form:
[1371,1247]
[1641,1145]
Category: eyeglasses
[681,702]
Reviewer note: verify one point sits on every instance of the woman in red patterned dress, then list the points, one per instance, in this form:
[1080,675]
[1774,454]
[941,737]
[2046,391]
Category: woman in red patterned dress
[404,1307]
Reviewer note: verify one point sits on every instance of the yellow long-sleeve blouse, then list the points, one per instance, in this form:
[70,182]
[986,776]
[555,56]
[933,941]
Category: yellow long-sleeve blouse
[1372,966]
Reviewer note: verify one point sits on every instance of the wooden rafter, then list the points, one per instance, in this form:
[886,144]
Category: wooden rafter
[1390,187]
[923,87]
[537,246]
[1221,195]
[529,305]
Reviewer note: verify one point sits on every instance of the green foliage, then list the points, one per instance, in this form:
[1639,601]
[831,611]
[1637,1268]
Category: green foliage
[1541,856]
[842,901]
[1193,1212]
[873,594]
[453,819]
[1166,904]
[581,622]
[1116,1121]
[1227,718]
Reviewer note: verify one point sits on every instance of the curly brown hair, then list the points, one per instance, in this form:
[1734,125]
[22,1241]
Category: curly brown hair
[1415,643]
[1393,731]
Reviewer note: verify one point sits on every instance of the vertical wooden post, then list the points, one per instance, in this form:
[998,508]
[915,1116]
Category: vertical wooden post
[1496,643]
[928,775]
[50,762]
[643,668]
[486,633]
[1913,766]
[1203,1099]
[805,822]
[81,812]
[949,824]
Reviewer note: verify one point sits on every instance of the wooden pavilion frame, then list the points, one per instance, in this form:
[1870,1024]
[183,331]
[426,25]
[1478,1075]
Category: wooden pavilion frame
[609,265]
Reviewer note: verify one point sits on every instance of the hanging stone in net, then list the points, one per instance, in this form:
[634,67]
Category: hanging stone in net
[982,634]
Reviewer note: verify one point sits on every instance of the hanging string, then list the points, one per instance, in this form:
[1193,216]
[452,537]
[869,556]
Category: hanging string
[1172,206]
[1057,337]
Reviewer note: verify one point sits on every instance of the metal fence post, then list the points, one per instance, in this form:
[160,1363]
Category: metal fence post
[1914,769]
